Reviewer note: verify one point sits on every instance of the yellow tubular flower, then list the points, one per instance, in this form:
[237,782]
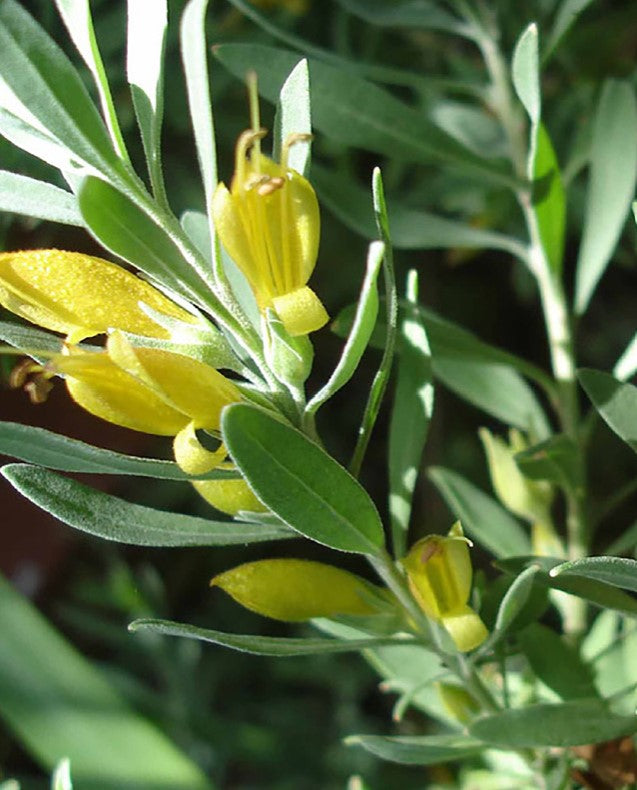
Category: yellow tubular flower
[268,221]
[80,295]
[439,574]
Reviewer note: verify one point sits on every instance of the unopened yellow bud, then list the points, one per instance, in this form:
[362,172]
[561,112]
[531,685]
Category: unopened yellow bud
[457,702]
[229,496]
[439,574]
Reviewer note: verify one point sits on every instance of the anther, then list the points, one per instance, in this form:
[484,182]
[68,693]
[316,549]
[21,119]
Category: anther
[270,186]
[38,389]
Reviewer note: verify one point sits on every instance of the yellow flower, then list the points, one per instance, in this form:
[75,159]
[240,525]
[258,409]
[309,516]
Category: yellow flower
[268,221]
[80,295]
[151,390]
[439,574]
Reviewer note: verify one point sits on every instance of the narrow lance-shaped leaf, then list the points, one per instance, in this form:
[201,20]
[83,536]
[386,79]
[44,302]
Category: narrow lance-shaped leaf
[50,90]
[261,645]
[418,750]
[626,365]
[194,57]
[129,232]
[300,482]
[616,401]
[58,703]
[147,24]
[293,116]
[515,599]
[54,451]
[114,519]
[357,112]
[549,200]
[79,22]
[411,412]
[567,724]
[611,188]
[412,228]
[360,332]
[33,198]
[427,15]
[618,571]
[525,72]
[482,517]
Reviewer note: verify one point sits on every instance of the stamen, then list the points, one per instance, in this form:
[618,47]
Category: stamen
[429,551]
[270,185]
[33,379]
[293,139]
[38,389]
[247,140]
[21,372]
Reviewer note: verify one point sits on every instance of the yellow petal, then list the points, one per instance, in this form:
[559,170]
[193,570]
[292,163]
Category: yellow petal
[269,223]
[439,572]
[80,295]
[229,496]
[466,628]
[192,456]
[189,386]
[103,389]
[296,590]
[301,311]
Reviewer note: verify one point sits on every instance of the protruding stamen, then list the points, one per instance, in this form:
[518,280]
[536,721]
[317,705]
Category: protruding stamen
[247,140]
[33,379]
[293,139]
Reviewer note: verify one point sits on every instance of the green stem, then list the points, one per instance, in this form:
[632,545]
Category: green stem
[554,304]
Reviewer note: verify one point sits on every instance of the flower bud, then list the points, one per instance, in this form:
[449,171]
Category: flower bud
[439,574]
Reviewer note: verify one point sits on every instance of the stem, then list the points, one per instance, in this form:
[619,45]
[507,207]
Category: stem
[554,303]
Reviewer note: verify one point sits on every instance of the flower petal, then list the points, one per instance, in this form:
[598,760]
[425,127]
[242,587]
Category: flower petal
[105,390]
[297,590]
[189,386]
[80,295]
[301,311]
[229,496]
[192,456]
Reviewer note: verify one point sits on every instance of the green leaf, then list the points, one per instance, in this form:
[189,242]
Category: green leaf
[360,332]
[525,72]
[76,15]
[568,12]
[129,232]
[482,517]
[616,402]
[556,459]
[260,645]
[61,779]
[422,14]
[194,57]
[58,703]
[23,195]
[549,200]
[412,228]
[515,599]
[54,451]
[300,482]
[618,571]
[626,365]
[611,188]
[480,373]
[566,724]
[410,416]
[114,519]
[557,664]
[146,36]
[418,750]
[356,112]
[38,73]
[597,592]
[35,142]
[293,116]
[30,340]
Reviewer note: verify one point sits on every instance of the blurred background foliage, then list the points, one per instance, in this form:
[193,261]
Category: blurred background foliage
[265,723]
